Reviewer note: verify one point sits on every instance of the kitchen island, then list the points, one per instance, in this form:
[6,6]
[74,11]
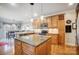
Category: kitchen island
[33,45]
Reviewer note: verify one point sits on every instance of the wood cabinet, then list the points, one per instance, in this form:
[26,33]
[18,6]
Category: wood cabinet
[18,48]
[41,50]
[55,21]
[44,49]
[61,27]
[48,21]
[22,48]
[28,49]
[54,38]
[59,22]
[36,23]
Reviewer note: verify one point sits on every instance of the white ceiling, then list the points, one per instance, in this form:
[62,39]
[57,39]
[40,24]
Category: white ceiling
[25,11]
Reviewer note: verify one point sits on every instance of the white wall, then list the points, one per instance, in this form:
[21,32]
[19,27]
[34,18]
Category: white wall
[70,38]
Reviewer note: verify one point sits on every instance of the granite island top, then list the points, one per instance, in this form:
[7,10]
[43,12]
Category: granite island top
[33,40]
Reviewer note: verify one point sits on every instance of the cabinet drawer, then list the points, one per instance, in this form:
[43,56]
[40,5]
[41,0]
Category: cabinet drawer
[27,47]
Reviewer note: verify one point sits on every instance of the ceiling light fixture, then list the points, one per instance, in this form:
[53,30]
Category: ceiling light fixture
[31,3]
[32,12]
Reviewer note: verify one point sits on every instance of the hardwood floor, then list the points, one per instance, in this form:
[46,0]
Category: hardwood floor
[55,49]
[64,50]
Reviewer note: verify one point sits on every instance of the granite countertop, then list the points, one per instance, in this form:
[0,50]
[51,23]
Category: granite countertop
[33,40]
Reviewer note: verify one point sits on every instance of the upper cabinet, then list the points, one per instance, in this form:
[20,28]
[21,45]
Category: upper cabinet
[36,23]
[48,20]
[55,21]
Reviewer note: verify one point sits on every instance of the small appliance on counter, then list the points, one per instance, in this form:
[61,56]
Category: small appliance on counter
[44,29]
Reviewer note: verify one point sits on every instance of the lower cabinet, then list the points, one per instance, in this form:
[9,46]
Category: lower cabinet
[55,39]
[18,48]
[26,49]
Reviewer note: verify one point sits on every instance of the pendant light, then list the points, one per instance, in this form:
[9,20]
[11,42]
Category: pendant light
[34,14]
[31,11]
[42,16]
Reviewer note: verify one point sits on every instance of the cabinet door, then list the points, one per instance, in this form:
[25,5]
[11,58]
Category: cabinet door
[48,46]
[61,26]
[41,50]
[48,20]
[36,23]
[18,48]
[44,49]
[28,49]
[55,21]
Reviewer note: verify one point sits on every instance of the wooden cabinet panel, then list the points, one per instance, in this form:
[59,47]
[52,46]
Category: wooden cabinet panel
[48,20]
[41,50]
[61,26]
[36,23]
[48,46]
[18,47]
[54,39]
[44,49]
[61,17]
[28,49]
[55,21]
